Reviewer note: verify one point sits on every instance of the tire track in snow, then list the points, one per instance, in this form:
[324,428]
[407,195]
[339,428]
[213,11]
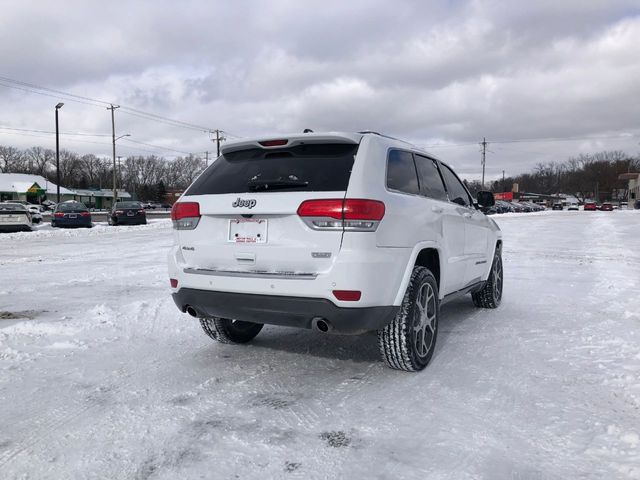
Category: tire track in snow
[118,380]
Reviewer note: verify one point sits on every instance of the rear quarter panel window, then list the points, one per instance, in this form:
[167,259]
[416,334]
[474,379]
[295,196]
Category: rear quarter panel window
[401,172]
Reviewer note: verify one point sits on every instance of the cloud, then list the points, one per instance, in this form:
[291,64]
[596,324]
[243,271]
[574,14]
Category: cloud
[430,72]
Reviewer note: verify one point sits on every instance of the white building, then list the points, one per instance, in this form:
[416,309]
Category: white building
[634,187]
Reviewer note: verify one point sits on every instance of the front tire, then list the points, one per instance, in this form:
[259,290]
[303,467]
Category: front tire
[409,341]
[491,294]
[229,331]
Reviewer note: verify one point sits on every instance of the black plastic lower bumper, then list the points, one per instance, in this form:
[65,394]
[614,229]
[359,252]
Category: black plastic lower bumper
[285,311]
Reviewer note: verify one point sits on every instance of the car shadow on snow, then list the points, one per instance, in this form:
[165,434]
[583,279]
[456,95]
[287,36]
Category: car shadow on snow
[456,317]
[357,348]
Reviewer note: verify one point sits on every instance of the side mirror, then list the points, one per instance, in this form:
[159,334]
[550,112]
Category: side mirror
[485,199]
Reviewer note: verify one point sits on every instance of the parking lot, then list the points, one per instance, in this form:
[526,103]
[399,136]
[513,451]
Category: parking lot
[102,377]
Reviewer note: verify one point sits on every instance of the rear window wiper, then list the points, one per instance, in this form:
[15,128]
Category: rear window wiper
[277,183]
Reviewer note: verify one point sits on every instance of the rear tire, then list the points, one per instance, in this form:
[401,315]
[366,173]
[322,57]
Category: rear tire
[409,341]
[229,331]
[491,294]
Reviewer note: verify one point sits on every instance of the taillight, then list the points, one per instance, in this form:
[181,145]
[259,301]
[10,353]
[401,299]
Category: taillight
[347,295]
[141,211]
[173,282]
[119,212]
[185,215]
[85,214]
[353,214]
[58,214]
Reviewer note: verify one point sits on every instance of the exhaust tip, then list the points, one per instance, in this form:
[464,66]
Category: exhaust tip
[191,311]
[322,325]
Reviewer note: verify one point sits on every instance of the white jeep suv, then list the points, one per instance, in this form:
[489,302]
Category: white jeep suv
[338,232]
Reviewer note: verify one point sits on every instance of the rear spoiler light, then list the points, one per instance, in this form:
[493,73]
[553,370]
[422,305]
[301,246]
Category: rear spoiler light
[185,215]
[352,214]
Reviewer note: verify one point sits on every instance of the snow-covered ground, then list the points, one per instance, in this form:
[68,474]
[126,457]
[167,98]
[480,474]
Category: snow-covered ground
[102,377]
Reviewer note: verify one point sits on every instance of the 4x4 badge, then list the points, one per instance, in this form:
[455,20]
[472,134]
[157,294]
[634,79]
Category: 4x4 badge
[244,203]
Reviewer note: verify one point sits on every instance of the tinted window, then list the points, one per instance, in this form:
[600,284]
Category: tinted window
[12,207]
[401,172]
[430,180]
[128,205]
[315,167]
[71,207]
[457,192]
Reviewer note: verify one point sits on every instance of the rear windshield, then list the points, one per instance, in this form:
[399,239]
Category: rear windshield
[71,207]
[128,205]
[12,207]
[312,168]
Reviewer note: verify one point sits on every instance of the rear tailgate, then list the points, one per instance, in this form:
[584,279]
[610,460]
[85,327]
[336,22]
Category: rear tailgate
[248,201]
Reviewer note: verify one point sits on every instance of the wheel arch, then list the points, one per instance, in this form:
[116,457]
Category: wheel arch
[426,254]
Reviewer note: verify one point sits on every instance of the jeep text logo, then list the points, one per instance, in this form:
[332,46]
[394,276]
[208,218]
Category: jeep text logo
[244,203]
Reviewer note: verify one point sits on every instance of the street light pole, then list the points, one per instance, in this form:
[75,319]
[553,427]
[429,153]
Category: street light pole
[58,107]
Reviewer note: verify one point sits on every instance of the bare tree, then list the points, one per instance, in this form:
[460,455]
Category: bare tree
[12,160]
[40,159]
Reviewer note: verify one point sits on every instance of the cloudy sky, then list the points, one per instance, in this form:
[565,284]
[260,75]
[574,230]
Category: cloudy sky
[442,74]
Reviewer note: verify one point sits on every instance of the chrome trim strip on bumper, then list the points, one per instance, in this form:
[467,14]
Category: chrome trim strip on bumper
[252,274]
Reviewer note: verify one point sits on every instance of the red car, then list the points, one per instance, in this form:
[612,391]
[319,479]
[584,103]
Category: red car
[590,206]
[606,207]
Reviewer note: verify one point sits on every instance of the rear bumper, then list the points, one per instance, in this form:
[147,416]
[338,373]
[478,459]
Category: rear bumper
[15,228]
[74,222]
[283,310]
[130,220]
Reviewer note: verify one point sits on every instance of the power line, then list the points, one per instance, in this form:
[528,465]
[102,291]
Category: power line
[157,146]
[75,140]
[535,140]
[50,92]
[61,133]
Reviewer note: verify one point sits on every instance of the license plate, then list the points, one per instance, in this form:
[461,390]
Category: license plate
[73,215]
[130,214]
[247,230]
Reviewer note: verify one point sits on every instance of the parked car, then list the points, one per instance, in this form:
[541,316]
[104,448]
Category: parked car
[295,232]
[517,207]
[14,217]
[49,205]
[526,207]
[127,213]
[606,207]
[36,213]
[636,205]
[573,206]
[507,207]
[557,206]
[590,206]
[71,214]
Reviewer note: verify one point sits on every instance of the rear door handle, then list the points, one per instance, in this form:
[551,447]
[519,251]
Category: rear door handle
[466,215]
[436,209]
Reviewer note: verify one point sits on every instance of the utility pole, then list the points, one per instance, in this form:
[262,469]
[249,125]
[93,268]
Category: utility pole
[219,138]
[119,171]
[113,141]
[484,155]
[503,185]
[58,107]
[207,156]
